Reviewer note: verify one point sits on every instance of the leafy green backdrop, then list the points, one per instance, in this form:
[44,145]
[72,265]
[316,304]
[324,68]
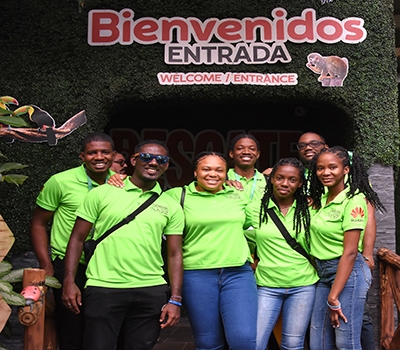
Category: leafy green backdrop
[45,60]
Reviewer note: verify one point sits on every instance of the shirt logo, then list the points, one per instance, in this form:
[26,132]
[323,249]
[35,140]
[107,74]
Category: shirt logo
[160,209]
[234,195]
[357,213]
[334,214]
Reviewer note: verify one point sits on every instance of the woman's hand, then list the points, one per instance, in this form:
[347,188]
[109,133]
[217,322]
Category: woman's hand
[336,312]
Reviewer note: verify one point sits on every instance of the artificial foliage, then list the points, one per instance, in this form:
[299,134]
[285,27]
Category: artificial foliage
[46,61]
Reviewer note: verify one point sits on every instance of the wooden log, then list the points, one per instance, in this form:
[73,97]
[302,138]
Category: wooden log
[389,257]
[50,334]
[34,335]
[387,312]
[395,343]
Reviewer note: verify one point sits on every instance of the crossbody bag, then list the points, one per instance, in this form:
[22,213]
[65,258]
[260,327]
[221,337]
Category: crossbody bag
[91,244]
[289,239]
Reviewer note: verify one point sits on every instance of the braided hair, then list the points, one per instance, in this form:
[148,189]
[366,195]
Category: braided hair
[357,179]
[302,214]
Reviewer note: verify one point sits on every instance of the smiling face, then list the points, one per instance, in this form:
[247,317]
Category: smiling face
[146,173]
[285,182]
[309,151]
[245,153]
[210,173]
[330,171]
[98,157]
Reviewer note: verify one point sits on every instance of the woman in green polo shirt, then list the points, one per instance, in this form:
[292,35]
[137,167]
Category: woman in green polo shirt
[219,290]
[285,277]
[337,229]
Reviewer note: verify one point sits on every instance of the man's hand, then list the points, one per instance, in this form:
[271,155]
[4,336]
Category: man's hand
[170,315]
[71,297]
[116,180]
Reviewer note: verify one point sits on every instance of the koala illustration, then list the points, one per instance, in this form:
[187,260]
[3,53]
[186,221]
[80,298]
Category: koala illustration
[332,69]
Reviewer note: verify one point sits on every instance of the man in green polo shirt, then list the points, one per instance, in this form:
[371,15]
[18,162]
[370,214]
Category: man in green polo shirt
[60,197]
[244,150]
[125,291]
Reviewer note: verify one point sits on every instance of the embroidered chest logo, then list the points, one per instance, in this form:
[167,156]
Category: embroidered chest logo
[234,196]
[160,209]
[334,214]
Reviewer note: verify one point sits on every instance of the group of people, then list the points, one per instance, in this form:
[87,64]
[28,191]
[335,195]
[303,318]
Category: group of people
[243,248]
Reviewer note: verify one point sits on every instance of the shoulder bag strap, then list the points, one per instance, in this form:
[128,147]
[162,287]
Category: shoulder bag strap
[183,196]
[289,239]
[129,218]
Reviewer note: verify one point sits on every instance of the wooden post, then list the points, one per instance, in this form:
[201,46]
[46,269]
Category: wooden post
[34,334]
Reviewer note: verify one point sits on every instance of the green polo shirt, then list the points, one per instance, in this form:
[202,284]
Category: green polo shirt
[280,266]
[62,194]
[214,223]
[253,187]
[130,257]
[332,220]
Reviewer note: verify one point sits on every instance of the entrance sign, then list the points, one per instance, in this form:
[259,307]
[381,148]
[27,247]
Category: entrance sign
[227,41]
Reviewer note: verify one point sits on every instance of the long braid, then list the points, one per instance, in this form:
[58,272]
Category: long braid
[357,178]
[302,214]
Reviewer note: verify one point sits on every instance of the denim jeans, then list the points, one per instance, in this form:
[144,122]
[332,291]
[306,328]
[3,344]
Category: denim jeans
[347,336]
[367,331]
[221,301]
[296,306]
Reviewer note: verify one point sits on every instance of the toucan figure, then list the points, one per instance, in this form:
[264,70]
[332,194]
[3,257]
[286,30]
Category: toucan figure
[43,119]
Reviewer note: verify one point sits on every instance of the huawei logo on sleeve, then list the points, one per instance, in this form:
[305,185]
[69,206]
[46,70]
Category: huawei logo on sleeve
[357,212]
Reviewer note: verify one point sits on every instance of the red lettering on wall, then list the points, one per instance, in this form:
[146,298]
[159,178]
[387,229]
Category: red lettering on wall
[103,27]
[145,30]
[180,144]
[183,147]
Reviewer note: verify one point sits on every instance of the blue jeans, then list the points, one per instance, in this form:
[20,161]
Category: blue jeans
[296,306]
[347,336]
[219,303]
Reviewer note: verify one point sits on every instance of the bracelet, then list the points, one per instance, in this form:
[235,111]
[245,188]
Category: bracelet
[173,302]
[365,258]
[334,307]
[176,297]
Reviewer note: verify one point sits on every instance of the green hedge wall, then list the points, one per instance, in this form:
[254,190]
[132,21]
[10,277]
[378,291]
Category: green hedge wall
[45,60]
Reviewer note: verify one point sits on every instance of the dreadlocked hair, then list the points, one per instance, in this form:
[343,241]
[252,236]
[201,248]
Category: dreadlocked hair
[357,179]
[302,214]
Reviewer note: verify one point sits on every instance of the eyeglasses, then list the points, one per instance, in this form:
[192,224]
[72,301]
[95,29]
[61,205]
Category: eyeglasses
[313,144]
[148,157]
[120,162]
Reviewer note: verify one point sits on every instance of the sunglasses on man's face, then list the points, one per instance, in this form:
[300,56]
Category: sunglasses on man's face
[148,157]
